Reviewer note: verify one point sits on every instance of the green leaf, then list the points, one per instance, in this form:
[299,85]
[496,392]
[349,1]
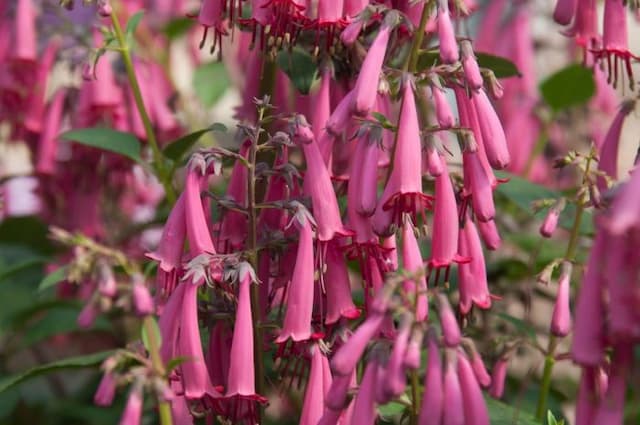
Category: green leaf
[299,67]
[77,362]
[6,272]
[501,67]
[551,419]
[571,86]
[53,278]
[176,149]
[210,82]
[133,22]
[503,414]
[107,139]
[177,27]
[522,193]
[27,232]
[392,409]
[520,325]
[175,362]
[156,332]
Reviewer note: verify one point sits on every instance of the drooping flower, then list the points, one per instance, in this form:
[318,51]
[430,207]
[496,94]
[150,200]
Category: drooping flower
[314,394]
[47,146]
[493,138]
[132,414]
[448,322]
[433,398]
[470,66]
[403,191]
[475,408]
[297,319]
[561,318]
[365,403]
[453,412]
[564,11]
[472,275]
[365,90]
[395,379]
[550,223]
[142,301]
[498,376]
[347,356]
[448,44]
[608,155]
[412,262]
[338,288]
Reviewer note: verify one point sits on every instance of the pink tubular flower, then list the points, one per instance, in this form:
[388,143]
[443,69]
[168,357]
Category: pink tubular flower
[412,262]
[413,353]
[211,16]
[132,413]
[313,404]
[366,87]
[498,376]
[47,146]
[297,319]
[433,399]
[395,379]
[169,323]
[472,276]
[195,377]
[345,359]
[233,223]
[364,410]
[479,370]
[350,34]
[585,24]
[550,222]
[625,209]
[448,44]
[475,408]
[470,66]
[493,138]
[611,409]
[444,244]
[443,110]
[453,403]
[432,158]
[106,390]
[354,7]
[365,165]
[564,11]
[341,115]
[241,378]
[322,105]
[200,241]
[338,288]
[336,398]
[561,319]
[403,192]
[608,162]
[448,322]
[25,37]
[88,314]
[330,11]
[317,184]
[489,234]
[480,185]
[142,301]
[588,334]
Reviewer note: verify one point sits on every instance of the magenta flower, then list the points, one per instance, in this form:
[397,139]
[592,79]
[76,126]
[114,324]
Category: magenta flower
[472,275]
[444,244]
[395,379]
[432,159]
[403,192]
[364,174]
[132,414]
[211,16]
[412,356]
[444,115]
[365,90]
[489,234]
[433,398]
[479,185]
[317,185]
[493,138]
[611,408]
[561,318]
[608,162]
[322,105]
[446,34]
[142,301]
[479,369]
[453,412]
[550,223]
[198,235]
[475,408]
[347,356]
[241,378]
[297,319]
[233,226]
[169,323]
[48,143]
[365,403]
[24,42]
[354,7]
[564,11]
[338,287]
[336,397]
[314,393]
[498,376]
[448,322]
[470,66]
[106,390]
[412,262]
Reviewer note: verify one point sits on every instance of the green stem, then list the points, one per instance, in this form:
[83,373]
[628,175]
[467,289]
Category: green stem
[158,160]
[418,37]
[415,398]
[164,408]
[569,255]
[549,361]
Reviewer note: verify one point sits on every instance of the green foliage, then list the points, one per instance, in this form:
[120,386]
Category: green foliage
[210,82]
[53,278]
[504,414]
[156,334]
[299,67]
[178,27]
[571,86]
[501,67]
[89,360]
[176,149]
[133,23]
[115,141]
